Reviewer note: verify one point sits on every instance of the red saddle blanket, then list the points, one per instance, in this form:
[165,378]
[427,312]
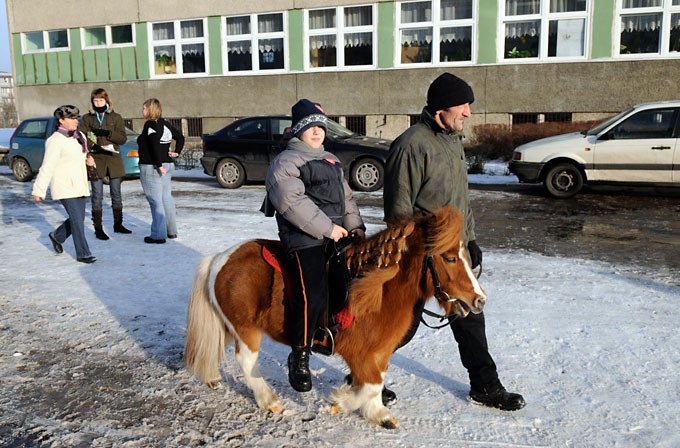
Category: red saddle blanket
[273,254]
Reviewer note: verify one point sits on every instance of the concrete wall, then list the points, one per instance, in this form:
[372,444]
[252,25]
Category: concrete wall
[586,88]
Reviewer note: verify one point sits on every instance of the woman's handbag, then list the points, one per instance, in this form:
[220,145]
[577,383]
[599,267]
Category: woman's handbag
[91,172]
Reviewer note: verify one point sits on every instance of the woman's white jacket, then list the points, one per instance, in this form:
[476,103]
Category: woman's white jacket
[63,169]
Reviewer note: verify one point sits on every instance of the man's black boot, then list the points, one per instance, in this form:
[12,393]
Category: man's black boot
[298,369]
[495,396]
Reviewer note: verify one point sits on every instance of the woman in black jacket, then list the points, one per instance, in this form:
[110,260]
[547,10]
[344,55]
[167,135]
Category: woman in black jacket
[155,170]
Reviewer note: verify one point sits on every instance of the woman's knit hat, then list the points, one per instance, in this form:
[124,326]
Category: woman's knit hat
[448,90]
[305,115]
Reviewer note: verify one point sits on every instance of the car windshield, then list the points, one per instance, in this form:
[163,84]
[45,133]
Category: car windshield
[606,123]
[336,130]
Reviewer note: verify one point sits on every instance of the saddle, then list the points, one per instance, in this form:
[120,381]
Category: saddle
[337,316]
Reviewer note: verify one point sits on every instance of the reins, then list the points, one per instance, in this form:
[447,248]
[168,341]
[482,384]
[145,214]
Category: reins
[439,294]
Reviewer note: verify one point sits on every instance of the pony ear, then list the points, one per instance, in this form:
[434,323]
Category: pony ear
[366,292]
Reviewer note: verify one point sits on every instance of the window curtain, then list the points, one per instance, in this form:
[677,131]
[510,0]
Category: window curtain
[567,5]
[641,23]
[163,31]
[269,23]
[322,19]
[641,3]
[522,7]
[416,12]
[238,25]
[456,9]
[360,16]
[191,29]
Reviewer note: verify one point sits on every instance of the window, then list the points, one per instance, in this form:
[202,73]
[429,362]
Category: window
[252,129]
[447,22]
[657,123]
[650,27]
[262,31]
[545,29]
[45,41]
[194,127]
[523,118]
[107,36]
[178,48]
[33,129]
[341,37]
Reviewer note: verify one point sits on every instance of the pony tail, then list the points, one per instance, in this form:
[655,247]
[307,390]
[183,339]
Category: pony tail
[206,333]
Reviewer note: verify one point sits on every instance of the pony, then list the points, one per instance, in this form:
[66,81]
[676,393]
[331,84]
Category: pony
[238,297]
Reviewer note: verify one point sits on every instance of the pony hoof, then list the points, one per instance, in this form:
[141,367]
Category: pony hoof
[390,423]
[335,409]
[277,408]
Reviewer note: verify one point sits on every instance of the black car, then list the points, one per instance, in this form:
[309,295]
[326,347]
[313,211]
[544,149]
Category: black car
[243,150]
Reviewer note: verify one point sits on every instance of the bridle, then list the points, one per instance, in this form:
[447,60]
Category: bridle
[439,294]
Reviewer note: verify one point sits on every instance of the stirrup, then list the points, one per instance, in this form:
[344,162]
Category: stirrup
[323,342]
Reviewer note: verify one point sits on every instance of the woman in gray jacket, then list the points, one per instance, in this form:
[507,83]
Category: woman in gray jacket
[314,205]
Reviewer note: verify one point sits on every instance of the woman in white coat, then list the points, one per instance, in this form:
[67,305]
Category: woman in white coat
[63,170]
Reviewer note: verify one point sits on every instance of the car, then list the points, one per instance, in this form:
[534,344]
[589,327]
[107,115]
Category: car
[638,146]
[27,147]
[242,152]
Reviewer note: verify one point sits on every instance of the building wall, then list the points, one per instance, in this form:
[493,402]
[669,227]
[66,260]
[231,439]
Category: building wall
[386,95]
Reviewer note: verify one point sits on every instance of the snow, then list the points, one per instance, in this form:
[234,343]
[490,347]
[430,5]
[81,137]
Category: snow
[91,355]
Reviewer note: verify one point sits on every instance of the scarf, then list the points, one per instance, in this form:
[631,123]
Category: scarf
[75,134]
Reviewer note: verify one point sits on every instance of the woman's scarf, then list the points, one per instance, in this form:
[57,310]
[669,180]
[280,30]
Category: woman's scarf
[75,134]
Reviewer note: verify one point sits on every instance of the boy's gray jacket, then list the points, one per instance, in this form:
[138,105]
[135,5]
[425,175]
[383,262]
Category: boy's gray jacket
[286,192]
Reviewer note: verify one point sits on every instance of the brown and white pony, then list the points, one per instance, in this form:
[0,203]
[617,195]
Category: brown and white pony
[237,296]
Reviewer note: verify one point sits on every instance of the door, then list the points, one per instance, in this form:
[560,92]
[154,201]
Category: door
[640,148]
[29,141]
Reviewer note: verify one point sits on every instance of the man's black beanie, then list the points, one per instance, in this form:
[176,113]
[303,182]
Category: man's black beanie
[448,90]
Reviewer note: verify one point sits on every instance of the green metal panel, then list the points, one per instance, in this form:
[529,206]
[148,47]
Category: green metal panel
[89,65]
[40,61]
[29,67]
[77,71]
[18,59]
[102,60]
[116,64]
[64,62]
[215,45]
[296,39]
[129,63]
[486,32]
[142,37]
[52,68]
[603,28]
[386,34]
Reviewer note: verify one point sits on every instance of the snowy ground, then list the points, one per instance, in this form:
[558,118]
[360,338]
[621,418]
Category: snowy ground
[91,355]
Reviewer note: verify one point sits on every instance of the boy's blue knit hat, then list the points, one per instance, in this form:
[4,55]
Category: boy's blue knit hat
[305,115]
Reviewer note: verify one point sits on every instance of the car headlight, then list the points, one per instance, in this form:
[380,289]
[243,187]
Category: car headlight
[516,155]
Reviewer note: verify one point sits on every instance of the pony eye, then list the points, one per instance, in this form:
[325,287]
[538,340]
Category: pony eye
[450,260]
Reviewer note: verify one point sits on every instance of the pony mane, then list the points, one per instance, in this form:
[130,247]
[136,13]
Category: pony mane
[375,261]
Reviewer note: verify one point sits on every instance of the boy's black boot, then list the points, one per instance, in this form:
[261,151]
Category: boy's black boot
[298,369]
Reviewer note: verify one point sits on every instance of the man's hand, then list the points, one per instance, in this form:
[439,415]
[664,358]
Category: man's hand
[101,132]
[475,254]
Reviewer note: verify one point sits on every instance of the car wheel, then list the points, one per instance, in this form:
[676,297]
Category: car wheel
[21,170]
[564,180]
[367,175]
[230,173]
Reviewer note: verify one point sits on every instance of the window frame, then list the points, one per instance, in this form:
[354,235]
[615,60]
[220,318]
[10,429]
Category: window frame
[667,9]
[544,17]
[108,37]
[177,42]
[254,37]
[46,42]
[436,24]
[340,30]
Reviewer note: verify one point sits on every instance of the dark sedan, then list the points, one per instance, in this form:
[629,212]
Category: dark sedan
[242,152]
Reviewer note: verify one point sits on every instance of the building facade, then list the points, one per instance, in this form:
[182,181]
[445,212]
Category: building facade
[367,63]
